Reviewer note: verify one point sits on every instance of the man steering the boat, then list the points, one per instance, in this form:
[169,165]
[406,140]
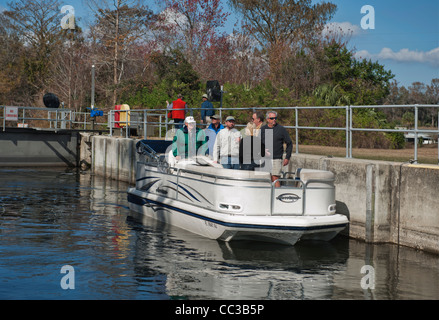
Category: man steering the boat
[275,137]
[189,141]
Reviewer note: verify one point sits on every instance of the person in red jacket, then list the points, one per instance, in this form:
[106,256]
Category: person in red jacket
[178,110]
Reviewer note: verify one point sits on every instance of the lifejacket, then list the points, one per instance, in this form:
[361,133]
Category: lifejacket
[178,109]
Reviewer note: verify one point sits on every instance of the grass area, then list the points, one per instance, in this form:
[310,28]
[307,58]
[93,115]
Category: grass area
[427,154]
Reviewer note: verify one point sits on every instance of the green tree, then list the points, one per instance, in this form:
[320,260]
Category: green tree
[173,68]
[37,24]
[364,82]
[275,22]
[119,25]
[280,25]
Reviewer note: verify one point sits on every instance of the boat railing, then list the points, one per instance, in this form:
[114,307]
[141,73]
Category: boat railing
[286,183]
[144,149]
[217,177]
[179,171]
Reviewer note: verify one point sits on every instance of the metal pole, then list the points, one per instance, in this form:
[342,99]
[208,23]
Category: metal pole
[416,134]
[92,86]
[110,121]
[221,97]
[350,131]
[160,127]
[297,130]
[221,102]
[347,131]
[144,125]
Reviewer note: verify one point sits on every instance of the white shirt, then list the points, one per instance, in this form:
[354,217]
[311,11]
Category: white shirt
[226,144]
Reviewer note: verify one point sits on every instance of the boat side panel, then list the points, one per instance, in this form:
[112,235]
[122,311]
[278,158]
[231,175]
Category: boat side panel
[238,197]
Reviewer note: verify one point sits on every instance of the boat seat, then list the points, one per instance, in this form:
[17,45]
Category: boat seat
[311,174]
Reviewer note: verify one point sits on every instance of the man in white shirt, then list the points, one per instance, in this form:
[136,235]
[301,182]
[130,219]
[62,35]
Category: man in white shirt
[226,147]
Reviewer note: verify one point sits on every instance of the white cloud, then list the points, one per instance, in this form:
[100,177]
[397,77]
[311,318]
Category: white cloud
[404,55]
[341,28]
[173,17]
[363,54]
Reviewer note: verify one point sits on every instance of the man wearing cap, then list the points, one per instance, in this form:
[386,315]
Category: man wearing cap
[211,132]
[206,109]
[226,147]
[189,141]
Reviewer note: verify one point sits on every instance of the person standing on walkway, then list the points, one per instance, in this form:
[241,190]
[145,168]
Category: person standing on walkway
[274,137]
[206,110]
[226,147]
[178,110]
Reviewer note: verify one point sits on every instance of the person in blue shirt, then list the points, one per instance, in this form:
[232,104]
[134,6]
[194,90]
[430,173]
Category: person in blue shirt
[211,132]
[206,110]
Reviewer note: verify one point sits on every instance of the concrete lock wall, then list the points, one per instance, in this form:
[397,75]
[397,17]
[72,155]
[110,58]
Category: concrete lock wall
[114,158]
[22,147]
[386,202]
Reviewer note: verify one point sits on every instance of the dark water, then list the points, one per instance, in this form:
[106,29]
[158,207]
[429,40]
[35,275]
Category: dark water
[54,218]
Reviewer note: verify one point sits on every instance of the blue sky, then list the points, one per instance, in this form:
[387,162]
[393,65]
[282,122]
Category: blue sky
[405,37]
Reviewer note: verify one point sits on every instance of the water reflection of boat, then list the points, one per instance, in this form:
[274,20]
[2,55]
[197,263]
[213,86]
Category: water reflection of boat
[193,267]
[229,204]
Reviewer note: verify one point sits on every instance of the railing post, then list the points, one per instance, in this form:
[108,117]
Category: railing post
[297,129]
[416,134]
[110,121]
[347,131]
[144,125]
[350,131]
[160,127]
[4,118]
[126,124]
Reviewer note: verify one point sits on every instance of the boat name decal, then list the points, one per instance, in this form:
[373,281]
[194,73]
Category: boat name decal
[288,197]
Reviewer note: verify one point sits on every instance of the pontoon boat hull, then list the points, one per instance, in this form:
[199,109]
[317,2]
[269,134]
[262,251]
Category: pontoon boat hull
[277,229]
[227,204]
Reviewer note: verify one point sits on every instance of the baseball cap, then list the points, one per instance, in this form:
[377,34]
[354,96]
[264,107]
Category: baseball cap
[230,118]
[190,119]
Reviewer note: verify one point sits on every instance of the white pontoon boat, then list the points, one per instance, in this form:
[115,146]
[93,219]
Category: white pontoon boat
[226,204]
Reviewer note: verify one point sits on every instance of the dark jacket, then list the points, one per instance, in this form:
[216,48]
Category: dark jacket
[251,149]
[206,110]
[280,136]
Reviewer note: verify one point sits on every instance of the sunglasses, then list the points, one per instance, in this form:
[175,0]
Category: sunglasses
[273,118]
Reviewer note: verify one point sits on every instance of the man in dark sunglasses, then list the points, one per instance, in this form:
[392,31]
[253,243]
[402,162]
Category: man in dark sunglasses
[275,136]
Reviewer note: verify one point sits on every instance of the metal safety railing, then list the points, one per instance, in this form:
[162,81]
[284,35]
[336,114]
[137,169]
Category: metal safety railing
[415,131]
[348,121]
[56,118]
[142,119]
[48,118]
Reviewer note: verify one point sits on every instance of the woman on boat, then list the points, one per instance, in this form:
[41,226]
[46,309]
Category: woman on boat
[251,149]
